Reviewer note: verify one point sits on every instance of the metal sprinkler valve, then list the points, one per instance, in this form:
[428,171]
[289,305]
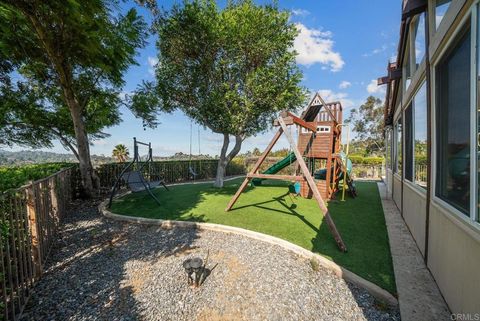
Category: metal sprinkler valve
[191,266]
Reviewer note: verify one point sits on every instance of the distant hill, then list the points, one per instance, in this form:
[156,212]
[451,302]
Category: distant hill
[37,157]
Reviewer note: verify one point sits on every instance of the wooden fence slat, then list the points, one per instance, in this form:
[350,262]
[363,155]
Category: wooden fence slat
[3,270]
[19,248]
[8,257]
[26,228]
[14,261]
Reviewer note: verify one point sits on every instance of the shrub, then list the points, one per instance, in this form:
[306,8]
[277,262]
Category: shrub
[16,176]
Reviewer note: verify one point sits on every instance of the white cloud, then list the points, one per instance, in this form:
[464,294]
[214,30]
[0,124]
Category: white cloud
[152,62]
[344,84]
[373,88]
[330,96]
[316,46]
[300,12]
[375,51]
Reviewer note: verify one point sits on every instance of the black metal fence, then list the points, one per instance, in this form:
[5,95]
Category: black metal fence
[171,171]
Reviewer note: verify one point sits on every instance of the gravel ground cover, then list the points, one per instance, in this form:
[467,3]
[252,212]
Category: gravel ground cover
[101,269]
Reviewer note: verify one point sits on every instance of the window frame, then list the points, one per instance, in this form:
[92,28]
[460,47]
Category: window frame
[412,42]
[472,218]
[434,10]
[389,147]
[411,127]
[408,58]
[421,83]
[396,146]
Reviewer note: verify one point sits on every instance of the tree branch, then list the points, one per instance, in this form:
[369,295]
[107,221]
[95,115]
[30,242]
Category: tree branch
[66,142]
[236,148]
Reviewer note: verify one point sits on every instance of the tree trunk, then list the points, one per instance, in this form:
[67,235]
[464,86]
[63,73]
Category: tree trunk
[225,159]
[89,179]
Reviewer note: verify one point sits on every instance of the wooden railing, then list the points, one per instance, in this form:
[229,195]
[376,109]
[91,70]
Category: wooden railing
[368,171]
[29,219]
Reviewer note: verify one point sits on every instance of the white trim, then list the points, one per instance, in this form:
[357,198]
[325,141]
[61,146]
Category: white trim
[321,129]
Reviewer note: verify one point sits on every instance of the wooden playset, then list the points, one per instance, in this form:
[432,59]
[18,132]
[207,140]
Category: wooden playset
[319,161]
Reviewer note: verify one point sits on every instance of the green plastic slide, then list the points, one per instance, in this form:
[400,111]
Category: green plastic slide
[275,168]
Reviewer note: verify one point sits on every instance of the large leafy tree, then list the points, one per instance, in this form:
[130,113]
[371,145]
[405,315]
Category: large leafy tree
[367,122]
[26,121]
[70,57]
[230,70]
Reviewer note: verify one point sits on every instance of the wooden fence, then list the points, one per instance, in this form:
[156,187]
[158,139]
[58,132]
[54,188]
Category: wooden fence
[29,219]
[31,215]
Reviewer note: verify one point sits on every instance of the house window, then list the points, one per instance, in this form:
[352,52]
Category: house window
[398,147]
[407,69]
[408,143]
[420,136]
[441,7]
[388,147]
[453,113]
[419,32]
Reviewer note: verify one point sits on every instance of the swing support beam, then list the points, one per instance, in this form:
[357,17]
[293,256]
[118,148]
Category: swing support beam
[303,166]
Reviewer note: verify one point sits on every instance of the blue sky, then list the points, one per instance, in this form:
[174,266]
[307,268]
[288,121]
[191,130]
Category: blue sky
[343,47]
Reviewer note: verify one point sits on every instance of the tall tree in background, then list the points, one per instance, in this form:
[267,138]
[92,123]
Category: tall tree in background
[367,123]
[230,70]
[120,152]
[73,53]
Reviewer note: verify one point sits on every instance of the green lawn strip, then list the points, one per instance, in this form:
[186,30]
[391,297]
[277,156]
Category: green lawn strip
[269,209]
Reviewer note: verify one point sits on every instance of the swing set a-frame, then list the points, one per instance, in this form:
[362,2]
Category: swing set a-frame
[288,119]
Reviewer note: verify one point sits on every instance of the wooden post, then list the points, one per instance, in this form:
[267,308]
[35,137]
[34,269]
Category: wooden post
[54,204]
[313,187]
[35,237]
[254,169]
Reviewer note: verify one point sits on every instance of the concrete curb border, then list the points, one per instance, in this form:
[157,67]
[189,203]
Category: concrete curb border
[376,291]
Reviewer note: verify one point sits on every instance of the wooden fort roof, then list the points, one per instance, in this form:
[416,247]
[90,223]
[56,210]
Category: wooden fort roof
[315,106]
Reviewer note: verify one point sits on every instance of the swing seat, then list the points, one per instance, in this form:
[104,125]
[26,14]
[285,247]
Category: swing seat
[192,172]
[137,183]
[294,188]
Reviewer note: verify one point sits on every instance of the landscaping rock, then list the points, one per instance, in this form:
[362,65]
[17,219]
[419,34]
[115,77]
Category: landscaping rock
[101,269]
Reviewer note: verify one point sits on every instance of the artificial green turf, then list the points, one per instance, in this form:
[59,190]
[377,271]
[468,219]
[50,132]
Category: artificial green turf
[269,209]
